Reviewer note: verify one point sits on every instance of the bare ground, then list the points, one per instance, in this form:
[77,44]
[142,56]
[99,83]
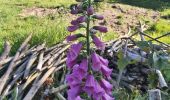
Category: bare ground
[118,17]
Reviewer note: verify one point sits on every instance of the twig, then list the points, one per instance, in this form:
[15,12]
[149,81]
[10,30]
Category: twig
[58,89]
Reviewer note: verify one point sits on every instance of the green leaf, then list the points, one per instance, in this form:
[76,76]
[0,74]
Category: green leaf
[15,93]
[122,61]
[144,45]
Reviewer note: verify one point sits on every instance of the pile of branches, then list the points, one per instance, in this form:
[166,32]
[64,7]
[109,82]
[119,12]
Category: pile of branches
[30,68]
[30,72]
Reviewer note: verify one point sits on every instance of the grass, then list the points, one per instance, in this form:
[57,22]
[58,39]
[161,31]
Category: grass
[51,29]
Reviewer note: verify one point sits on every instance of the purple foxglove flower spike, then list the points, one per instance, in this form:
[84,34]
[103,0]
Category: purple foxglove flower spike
[73,54]
[107,97]
[106,86]
[73,92]
[99,17]
[90,10]
[72,28]
[100,28]
[99,44]
[89,85]
[96,64]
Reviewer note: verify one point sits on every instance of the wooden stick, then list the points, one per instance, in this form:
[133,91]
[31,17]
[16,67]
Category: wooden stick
[29,64]
[4,79]
[161,79]
[11,85]
[60,97]
[58,89]
[160,36]
[6,52]
[40,62]
[36,86]
[155,39]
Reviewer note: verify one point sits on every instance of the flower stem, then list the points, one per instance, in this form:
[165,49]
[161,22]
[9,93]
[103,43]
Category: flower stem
[88,34]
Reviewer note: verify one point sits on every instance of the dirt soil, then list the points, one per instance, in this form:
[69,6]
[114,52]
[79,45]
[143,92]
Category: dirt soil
[118,17]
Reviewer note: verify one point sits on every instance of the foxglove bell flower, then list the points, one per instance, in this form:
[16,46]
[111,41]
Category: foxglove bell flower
[107,97]
[99,17]
[89,85]
[96,64]
[106,71]
[104,61]
[72,28]
[90,10]
[72,80]
[73,54]
[99,44]
[81,71]
[106,86]
[100,28]
[73,92]
[98,92]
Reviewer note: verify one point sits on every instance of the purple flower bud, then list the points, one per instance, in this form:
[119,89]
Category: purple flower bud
[99,17]
[90,10]
[74,22]
[106,86]
[81,19]
[73,37]
[89,85]
[100,28]
[72,28]
[107,97]
[98,43]
[73,54]
[73,92]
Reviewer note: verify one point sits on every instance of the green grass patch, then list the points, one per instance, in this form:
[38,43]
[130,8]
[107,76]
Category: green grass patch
[50,29]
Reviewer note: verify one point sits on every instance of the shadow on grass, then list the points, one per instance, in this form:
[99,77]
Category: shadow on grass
[149,4]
